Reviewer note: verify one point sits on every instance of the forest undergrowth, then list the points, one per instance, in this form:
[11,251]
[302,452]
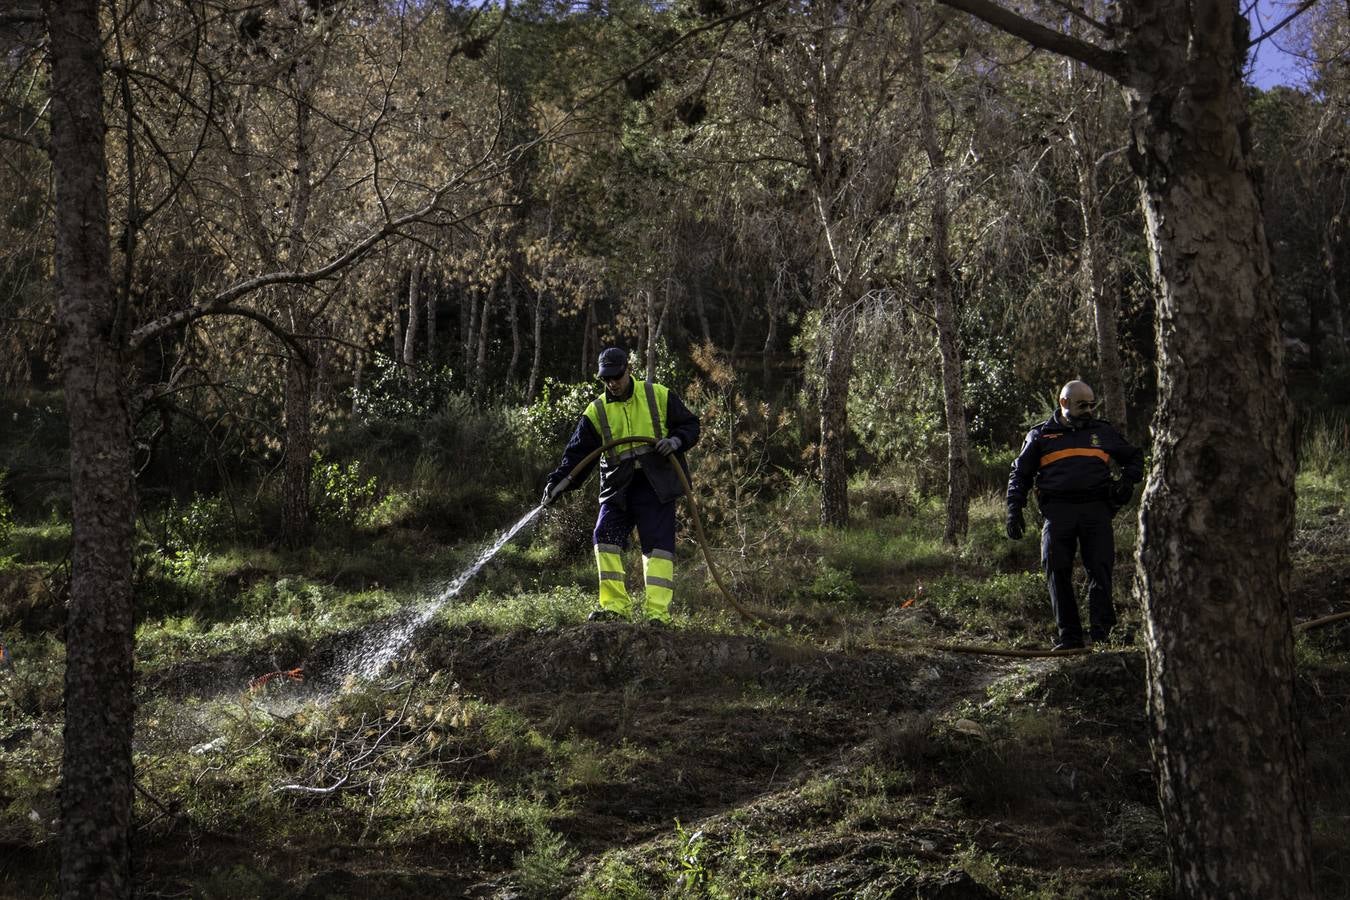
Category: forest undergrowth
[516,750]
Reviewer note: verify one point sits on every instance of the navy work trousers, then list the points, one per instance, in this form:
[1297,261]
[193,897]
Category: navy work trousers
[1070,527]
[655,520]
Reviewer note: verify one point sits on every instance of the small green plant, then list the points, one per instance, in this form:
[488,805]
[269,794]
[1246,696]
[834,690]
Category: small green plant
[542,870]
[690,868]
[340,494]
[612,879]
[834,585]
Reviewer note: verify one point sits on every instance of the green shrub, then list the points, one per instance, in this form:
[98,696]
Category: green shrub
[542,870]
[548,421]
[340,496]
[396,392]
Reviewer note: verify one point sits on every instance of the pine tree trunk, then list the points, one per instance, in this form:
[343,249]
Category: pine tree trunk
[1217,518]
[414,315]
[480,361]
[944,301]
[532,387]
[96,783]
[298,411]
[396,318]
[651,335]
[471,337]
[432,294]
[1335,315]
[834,419]
[515,330]
[358,370]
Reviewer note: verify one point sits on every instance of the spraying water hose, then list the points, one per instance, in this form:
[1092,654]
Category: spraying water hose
[745,613]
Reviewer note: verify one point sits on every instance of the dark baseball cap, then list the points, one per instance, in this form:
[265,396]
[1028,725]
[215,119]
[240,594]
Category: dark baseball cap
[613,362]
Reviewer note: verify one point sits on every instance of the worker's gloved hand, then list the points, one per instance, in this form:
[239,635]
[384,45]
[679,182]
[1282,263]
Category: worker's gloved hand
[549,496]
[1017,526]
[1122,492]
[667,446]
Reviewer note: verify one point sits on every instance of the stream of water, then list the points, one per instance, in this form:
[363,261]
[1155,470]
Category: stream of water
[382,645]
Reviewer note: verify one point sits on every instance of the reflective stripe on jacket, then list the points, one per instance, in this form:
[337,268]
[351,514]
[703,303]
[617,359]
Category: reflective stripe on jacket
[641,414]
[1069,464]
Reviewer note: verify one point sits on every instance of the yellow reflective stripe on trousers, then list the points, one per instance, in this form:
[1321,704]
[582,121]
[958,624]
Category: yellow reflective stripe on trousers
[659,573]
[613,591]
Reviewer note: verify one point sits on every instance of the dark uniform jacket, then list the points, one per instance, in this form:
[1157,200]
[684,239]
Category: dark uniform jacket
[615,477]
[1068,464]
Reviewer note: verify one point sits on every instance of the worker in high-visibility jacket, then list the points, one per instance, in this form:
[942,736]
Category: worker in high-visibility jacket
[638,482]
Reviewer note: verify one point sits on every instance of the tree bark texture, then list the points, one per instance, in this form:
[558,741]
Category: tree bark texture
[480,360]
[414,315]
[396,317]
[944,300]
[432,294]
[515,329]
[838,373]
[298,411]
[96,785]
[1213,562]
[536,359]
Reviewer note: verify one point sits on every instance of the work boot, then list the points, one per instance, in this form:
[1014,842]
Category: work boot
[604,615]
[1066,643]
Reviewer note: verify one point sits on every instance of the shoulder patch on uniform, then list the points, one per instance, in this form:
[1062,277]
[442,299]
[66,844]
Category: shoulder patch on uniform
[1096,441]
[1052,435]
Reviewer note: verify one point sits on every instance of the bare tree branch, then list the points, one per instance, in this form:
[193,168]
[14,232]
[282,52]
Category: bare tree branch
[1108,62]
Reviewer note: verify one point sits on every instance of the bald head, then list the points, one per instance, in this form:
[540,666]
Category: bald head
[1077,402]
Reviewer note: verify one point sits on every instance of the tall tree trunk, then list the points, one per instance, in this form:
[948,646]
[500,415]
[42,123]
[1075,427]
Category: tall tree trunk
[1213,560]
[96,774]
[298,402]
[532,386]
[1335,315]
[589,345]
[704,328]
[944,301]
[515,329]
[432,294]
[471,336]
[396,317]
[480,361]
[837,375]
[358,370]
[650,333]
[414,315]
[297,406]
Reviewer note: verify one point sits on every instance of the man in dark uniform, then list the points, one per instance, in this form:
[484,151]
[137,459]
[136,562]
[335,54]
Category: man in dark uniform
[1068,459]
[638,482]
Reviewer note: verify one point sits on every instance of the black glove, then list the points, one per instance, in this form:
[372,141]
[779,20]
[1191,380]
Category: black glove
[548,497]
[668,445]
[1017,526]
[1122,492]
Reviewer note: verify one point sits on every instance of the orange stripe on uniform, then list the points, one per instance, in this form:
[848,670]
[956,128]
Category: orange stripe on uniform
[1048,458]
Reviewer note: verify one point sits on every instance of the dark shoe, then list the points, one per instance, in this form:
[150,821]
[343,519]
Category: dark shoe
[1067,644]
[604,615]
